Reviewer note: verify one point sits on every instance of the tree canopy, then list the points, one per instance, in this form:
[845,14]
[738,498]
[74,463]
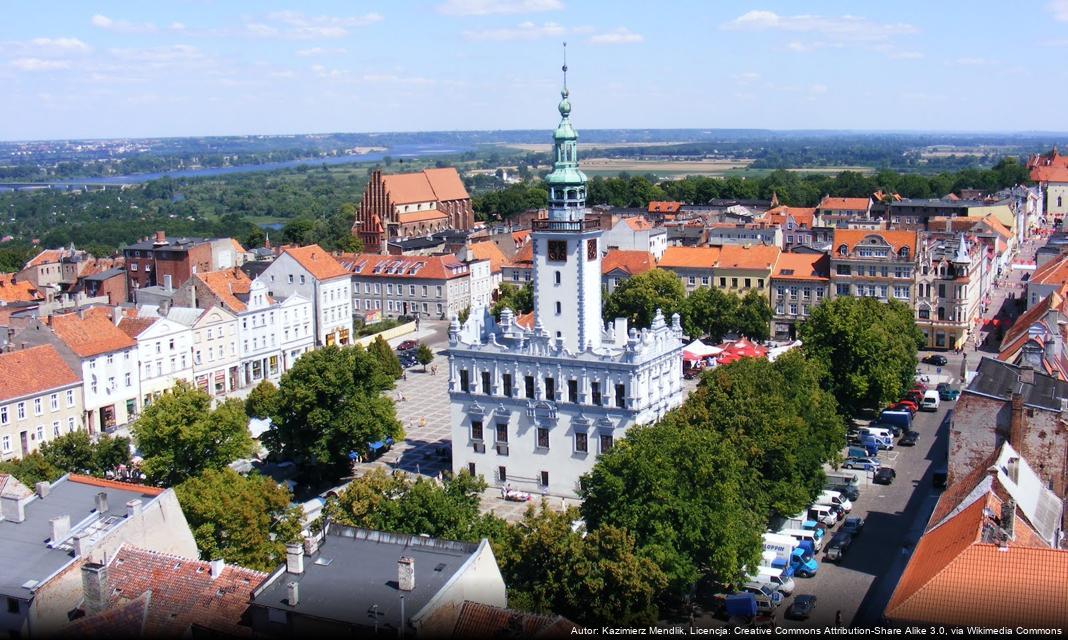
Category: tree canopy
[638,298]
[867,349]
[713,313]
[76,452]
[180,435]
[246,520]
[262,401]
[331,403]
[509,296]
[386,356]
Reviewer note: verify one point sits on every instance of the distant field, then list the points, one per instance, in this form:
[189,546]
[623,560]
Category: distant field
[612,166]
[547,147]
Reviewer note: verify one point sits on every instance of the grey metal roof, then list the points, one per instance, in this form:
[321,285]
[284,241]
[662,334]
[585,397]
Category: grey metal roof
[1001,380]
[104,275]
[24,552]
[352,578]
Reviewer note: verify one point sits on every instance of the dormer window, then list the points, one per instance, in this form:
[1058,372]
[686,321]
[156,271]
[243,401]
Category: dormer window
[843,250]
[904,252]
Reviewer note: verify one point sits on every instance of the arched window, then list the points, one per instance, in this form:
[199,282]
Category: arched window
[842,250]
[904,253]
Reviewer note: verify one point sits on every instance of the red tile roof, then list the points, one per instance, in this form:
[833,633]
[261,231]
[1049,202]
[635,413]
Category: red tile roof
[637,223]
[320,264]
[177,593]
[1049,174]
[1053,272]
[421,216]
[524,257]
[690,257]
[48,256]
[525,320]
[17,291]
[134,327]
[1023,323]
[631,262]
[429,185]
[844,204]
[477,620]
[488,250]
[803,216]
[92,336]
[33,370]
[896,239]
[955,578]
[521,237]
[227,285]
[664,207]
[802,266]
[446,184]
[144,490]
[737,256]
[408,267]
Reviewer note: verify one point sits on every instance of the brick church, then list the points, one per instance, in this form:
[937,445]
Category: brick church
[408,205]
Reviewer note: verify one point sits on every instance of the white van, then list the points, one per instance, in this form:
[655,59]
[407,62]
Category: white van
[775,578]
[823,513]
[884,437]
[813,536]
[829,496]
[930,401]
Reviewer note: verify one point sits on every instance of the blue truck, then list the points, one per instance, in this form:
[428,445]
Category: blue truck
[899,419]
[871,449]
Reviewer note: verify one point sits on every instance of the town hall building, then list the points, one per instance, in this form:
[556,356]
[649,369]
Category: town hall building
[532,409]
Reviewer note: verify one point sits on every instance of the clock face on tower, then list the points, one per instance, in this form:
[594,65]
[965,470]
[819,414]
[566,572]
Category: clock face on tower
[591,249]
[558,250]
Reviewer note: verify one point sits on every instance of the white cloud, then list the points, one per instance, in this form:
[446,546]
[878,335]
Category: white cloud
[321,51]
[177,26]
[490,7]
[38,64]
[296,25]
[121,26]
[61,45]
[621,35]
[1059,9]
[828,31]
[523,31]
[395,79]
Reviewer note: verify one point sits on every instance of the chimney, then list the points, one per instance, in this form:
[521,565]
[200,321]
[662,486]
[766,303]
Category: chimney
[101,502]
[406,574]
[161,239]
[60,528]
[217,567]
[1016,421]
[42,489]
[82,544]
[1027,374]
[133,508]
[116,315]
[311,545]
[94,587]
[12,509]
[1008,517]
[295,558]
[292,594]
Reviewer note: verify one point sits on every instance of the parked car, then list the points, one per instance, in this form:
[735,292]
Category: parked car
[936,360]
[407,345]
[837,547]
[801,608]
[914,396]
[947,392]
[904,405]
[908,439]
[918,384]
[853,525]
[884,475]
[865,464]
[931,401]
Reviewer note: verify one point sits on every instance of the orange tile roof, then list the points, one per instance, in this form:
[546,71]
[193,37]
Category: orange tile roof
[446,184]
[33,370]
[92,336]
[845,204]
[429,185]
[524,257]
[375,265]
[954,578]
[632,262]
[421,216]
[477,620]
[757,256]
[488,250]
[804,216]
[320,264]
[1049,174]
[175,593]
[1054,271]
[103,483]
[521,237]
[1032,315]
[134,327]
[637,223]
[525,320]
[227,285]
[802,266]
[664,207]
[17,291]
[48,256]
[690,257]
[996,226]
[896,239]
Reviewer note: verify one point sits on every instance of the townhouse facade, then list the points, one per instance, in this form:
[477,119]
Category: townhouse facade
[420,286]
[799,283]
[165,354]
[874,263]
[744,268]
[693,265]
[315,275]
[635,233]
[40,399]
[618,266]
[951,280]
[216,361]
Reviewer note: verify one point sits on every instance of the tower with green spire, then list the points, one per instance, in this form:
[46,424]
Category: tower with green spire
[567,251]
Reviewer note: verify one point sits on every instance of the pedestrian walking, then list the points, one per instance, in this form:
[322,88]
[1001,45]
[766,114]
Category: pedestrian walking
[422,422]
[433,369]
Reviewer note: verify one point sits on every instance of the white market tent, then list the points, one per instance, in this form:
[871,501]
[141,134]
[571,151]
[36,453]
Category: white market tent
[698,350]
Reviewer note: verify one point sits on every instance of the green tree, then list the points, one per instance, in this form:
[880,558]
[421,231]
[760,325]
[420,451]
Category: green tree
[638,298]
[76,452]
[509,296]
[709,313]
[866,348]
[752,316]
[331,403]
[424,355]
[180,435]
[262,401]
[386,356]
[31,469]
[246,520]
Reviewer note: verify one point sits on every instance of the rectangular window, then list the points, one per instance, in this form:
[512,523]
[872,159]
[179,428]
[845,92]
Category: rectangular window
[723,283]
[692,280]
[543,438]
[502,474]
[424,290]
[760,283]
[37,406]
[55,428]
[572,390]
[596,391]
[3,415]
[842,289]
[606,443]
[70,397]
[5,444]
[502,432]
[53,402]
[70,425]
[550,389]
[476,430]
[21,410]
[464,384]
[748,283]
[389,289]
[581,444]
[620,393]
[529,383]
[842,269]
[486,382]
[734,283]
[704,280]
[544,478]
[507,382]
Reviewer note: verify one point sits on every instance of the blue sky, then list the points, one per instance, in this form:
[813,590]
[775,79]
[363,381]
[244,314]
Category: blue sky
[203,67]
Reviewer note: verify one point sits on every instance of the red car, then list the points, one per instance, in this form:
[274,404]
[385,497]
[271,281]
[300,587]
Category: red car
[904,405]
[919,385]
[915,396]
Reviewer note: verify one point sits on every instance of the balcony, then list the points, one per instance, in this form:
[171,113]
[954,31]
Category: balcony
[589,223]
